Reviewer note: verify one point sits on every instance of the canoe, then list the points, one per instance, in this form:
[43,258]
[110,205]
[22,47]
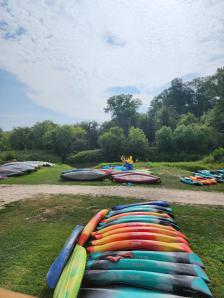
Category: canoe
[140,244]
[139,235]
[140,178]
[155,203]
[90,227]
[205,181]
[84,175]
[150,280]
[122,292]
[56,268]
[148,265]
[139,229]
[70,280]
[175,257]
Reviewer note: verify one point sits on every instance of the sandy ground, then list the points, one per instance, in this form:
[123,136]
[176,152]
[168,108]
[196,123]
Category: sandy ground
[12,193]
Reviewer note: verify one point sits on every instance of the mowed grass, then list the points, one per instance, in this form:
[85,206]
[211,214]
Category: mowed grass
[32,233]
[168,172]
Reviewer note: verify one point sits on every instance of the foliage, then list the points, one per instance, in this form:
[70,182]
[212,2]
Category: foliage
[137,143]
[123,109]
[216,156]
[113,143]
[164,139]
[86,156]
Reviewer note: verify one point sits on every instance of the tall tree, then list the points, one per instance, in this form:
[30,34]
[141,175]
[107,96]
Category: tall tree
[123,109]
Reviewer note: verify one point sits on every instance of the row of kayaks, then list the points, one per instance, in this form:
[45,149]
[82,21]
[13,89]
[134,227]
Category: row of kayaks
[204,177]
[19,168]
[135,176]
[134,250]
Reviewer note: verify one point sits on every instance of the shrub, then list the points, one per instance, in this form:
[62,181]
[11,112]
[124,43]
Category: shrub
[7,155]
[87,156]
[216,156]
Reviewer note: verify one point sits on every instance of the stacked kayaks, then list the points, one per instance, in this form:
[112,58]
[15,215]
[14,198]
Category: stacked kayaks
[132,250]
[18,168]
[204,177]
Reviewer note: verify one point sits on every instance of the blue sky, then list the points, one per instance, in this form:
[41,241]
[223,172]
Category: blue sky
[60,60]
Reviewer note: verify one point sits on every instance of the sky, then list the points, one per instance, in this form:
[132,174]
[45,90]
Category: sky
[61,60]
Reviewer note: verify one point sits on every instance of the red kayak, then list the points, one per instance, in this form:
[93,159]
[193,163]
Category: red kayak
[136,178]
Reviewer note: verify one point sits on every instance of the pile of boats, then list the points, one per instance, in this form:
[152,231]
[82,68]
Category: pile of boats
[18,168]
[204,177]
[128,251]
[115,173]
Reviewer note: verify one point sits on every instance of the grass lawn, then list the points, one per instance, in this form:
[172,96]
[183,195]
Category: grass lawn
[33,231]
[169,173]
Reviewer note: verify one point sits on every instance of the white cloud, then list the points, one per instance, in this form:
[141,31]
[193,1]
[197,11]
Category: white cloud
[72,51]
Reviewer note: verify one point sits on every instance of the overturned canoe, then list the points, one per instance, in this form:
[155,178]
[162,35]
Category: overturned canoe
[140,178]
[84,175]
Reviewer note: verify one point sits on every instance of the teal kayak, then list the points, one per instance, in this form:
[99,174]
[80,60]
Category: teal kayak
[122,292]
[149,219]
[175,257]
[181,284]
[148,265]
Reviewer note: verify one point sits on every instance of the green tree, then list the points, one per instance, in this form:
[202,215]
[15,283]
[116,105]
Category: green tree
[187,119]
[20,138]
[123,109]
[112,143]
[164,139]
[38,133]
[92,133]
[138,144]
[65,139]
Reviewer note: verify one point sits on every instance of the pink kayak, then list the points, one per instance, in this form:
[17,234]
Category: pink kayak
[136,178]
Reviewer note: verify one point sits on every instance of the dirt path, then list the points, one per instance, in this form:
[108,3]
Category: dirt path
[11,193]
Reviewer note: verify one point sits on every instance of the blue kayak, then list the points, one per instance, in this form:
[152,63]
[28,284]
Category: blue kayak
[156,203]
[60,262]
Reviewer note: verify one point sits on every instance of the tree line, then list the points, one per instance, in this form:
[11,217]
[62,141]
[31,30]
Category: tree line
[183,122]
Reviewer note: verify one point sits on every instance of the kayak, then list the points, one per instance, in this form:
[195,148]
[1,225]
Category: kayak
[136,178]
[163,215]
[187,180]
[148,219]
[140,244]
[139,229]
[71,277]
[174,257]
[149,280]
[56,268]
[139,235]
[90,227]
[122,292]
[148,265]
[156,203]
[143,208]
[84,175]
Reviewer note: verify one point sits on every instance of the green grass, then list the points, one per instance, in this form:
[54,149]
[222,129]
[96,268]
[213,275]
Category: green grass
[169,173]
[33,231]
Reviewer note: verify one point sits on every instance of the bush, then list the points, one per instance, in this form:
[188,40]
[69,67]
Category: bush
[7,155]
[87,156]
[216,156]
